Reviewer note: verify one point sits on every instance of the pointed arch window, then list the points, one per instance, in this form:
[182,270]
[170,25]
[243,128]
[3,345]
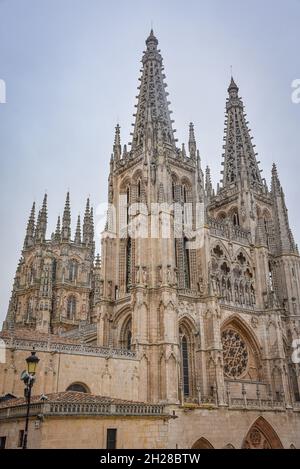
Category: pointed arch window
[184,194]
[71,307]
[139,190]
[128,264]
[29,309]
[185,366]
[271,279]
[127,203]
[173,190]
[126,334]
[235,219]
[186,256]
[73,270]
[54,268]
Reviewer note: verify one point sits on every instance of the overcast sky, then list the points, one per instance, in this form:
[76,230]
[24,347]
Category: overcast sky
[71,70]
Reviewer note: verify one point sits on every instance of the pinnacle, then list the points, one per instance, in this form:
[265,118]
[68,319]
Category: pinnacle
[274,170]
[232,85]
[117,134]
[151,38]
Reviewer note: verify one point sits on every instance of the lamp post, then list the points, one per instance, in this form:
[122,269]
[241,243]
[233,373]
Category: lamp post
[29,377]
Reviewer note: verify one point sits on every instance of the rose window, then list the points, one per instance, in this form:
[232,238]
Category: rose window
[235,353]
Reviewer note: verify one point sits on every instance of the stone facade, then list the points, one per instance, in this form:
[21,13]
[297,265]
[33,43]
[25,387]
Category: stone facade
[195,301]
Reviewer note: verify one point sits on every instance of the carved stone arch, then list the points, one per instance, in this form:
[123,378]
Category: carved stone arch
[202,443]
[221,216]
[138,174]
[174,177]
[121,313]
[124,183]
[235,332]
[225,254]
[234,215]
[122,324]
[188,323]
[138,194]
[242,250]
[186,186]
[125,337]
[79,387]
[261,435]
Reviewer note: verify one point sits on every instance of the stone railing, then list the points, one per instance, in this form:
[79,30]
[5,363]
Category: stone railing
[139,409]
[74,349]
[217,228]
[71,408]
[208,400]
[238,234]
[244,403]
[228,231]
[82,329]
[296,405]
[188,292]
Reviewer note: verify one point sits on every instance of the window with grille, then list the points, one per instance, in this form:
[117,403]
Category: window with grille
[111,438]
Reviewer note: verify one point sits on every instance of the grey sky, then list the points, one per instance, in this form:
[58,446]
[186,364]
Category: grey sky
[71,69]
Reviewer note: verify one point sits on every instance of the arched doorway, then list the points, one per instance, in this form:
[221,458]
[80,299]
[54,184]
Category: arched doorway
[262,436]
[78,387]
[202,443]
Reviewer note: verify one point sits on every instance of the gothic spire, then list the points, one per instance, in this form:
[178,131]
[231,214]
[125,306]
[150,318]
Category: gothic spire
[41,226]
[92,224]
[86,223]
[117,144]
[208,184]
[283,234]
[78,231]
[29,238]
[238,145]
[66,221]
[192,141]
[57,235]
[152,98]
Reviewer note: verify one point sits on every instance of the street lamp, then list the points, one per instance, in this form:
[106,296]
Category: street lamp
[28,377]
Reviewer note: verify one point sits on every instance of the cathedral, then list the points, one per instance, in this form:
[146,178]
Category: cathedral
[180,335]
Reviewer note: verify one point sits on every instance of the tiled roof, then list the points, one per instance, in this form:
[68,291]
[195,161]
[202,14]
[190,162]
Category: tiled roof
[68,397]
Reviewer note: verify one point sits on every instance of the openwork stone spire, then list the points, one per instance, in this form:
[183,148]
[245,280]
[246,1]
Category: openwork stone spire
[117,144]
[78,231]
[29,238]
[57,235]
[152,99]
[192,141]
[41,226]
[240,164]
[88,225]
[284,237]
[66,221]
